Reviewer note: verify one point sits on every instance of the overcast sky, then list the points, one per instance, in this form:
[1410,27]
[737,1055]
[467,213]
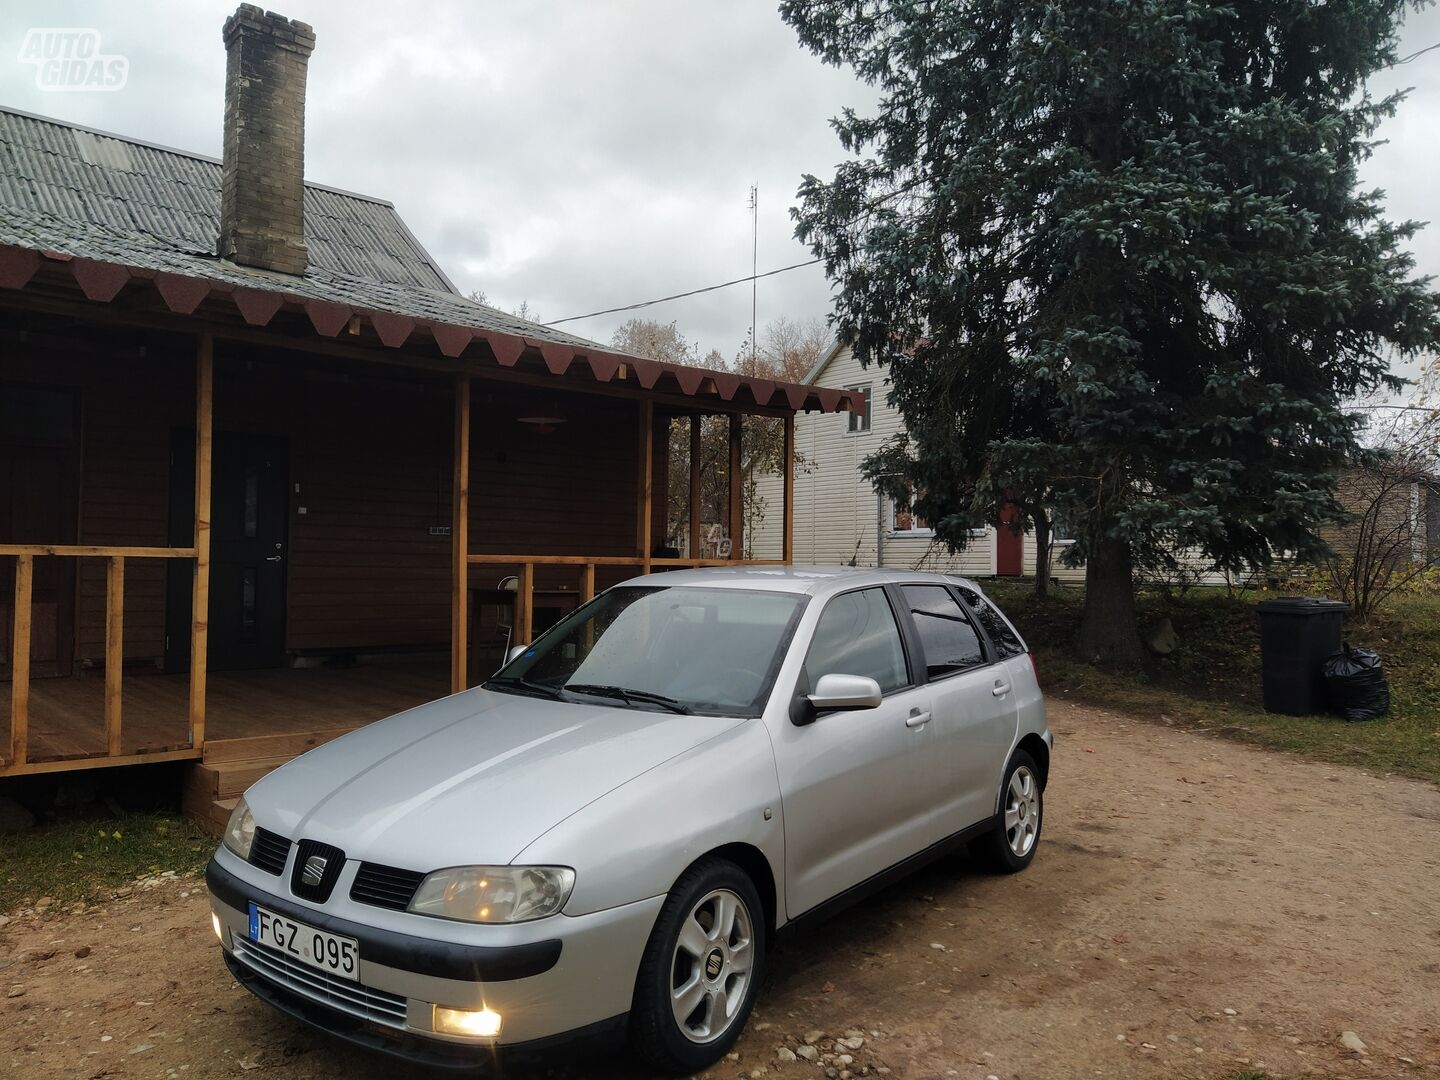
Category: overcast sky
[579,154]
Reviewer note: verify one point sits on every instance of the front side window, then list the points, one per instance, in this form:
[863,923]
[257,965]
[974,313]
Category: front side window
[682,649]
[857,635]
[1007,642]
[949,639]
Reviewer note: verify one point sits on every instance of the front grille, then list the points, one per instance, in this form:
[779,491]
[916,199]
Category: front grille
[342,994]
[269,851]
[385,886]
[330,860]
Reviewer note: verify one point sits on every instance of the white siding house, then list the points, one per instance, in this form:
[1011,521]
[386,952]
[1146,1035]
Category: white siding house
[839,517]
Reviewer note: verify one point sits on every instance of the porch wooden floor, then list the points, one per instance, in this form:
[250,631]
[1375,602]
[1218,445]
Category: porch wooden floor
[66,714]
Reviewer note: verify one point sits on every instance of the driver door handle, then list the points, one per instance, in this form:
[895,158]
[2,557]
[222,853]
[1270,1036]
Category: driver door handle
[1001,688]
[917,719]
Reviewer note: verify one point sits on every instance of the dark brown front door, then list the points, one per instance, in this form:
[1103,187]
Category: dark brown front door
[39,494]
[248,513]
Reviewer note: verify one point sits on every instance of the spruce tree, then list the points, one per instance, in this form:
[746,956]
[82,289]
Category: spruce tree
[1116,252]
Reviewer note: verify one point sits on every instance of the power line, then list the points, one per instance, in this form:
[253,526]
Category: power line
[692,292]
[1412,56]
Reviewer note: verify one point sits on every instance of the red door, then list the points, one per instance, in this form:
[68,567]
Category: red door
[1009,543]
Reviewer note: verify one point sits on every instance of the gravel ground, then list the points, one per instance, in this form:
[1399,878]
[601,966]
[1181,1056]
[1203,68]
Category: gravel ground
[1198,908]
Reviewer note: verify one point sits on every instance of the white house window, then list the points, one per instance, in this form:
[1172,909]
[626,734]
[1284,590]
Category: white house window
[1061,531]
[859,421]
[904,521]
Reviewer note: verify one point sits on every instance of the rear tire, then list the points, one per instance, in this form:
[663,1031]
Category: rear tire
[1011,844]
[701,969]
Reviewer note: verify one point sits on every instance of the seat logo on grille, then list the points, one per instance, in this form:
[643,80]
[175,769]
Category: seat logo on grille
[313,872]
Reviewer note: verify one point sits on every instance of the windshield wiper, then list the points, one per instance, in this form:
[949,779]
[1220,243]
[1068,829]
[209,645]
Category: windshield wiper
[527,686]
[630,696]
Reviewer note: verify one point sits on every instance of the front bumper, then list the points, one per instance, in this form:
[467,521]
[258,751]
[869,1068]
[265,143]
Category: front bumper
[549,980]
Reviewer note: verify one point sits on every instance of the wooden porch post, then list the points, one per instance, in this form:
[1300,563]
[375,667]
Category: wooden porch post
[460,542]
[200,593]
[525,605]
[737,493]
[114,650]
[647,479]
[695,422]
[20,662]
[788,545]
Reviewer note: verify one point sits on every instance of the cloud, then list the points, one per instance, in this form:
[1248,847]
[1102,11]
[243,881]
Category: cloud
[575,155]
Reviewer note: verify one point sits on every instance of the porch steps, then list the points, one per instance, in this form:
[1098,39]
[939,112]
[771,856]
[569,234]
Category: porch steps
[214,784]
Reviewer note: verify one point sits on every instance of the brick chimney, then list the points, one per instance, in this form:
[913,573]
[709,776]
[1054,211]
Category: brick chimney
[262,197]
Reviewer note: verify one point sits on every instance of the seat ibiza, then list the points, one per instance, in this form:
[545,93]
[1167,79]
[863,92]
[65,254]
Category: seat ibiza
[605,837]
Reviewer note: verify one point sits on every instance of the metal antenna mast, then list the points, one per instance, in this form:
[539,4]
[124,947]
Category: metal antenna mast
[754,265]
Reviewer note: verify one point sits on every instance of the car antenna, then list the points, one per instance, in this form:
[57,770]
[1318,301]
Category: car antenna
[856,554]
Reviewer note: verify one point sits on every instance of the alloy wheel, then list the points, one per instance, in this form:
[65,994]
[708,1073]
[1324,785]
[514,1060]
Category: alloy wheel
[710,971]
[1022,812]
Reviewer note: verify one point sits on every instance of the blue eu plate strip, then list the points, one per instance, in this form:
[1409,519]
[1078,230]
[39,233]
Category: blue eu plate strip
[254,922]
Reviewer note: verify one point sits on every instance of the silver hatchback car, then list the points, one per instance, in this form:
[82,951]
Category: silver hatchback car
[605,837]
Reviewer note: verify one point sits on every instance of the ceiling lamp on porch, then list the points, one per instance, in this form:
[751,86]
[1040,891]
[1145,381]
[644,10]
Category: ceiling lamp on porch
[542,425]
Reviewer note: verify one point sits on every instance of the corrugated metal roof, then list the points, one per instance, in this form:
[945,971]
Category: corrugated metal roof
[115,210]
[174,198]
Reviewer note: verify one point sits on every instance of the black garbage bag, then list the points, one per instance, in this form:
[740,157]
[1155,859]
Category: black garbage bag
[1355,684]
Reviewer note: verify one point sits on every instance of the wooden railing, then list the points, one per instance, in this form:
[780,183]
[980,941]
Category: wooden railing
[22,621]
[525,584]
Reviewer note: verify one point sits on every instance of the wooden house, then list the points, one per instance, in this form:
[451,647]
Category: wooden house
[264,474]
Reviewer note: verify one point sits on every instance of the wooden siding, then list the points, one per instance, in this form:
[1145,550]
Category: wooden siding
[127,412]
[368,489]
[836,509]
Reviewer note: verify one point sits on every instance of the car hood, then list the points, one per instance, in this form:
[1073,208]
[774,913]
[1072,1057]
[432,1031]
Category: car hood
[472,778]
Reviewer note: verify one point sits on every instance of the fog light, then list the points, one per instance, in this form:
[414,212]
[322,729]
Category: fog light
[481,1023]
[215,924]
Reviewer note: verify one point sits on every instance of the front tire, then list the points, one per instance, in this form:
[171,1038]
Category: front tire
[1011,844]
[701,969]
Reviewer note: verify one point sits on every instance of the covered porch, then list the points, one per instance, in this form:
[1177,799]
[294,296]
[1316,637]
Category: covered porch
[365,508]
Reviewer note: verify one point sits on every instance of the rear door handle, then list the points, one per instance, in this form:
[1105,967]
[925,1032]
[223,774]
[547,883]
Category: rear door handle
[917,718]
[1001,688]
[272,558]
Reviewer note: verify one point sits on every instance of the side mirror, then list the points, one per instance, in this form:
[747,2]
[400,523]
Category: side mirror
[845,692]
[515,652]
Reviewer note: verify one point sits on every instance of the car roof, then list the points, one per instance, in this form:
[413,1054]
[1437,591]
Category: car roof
[808,580]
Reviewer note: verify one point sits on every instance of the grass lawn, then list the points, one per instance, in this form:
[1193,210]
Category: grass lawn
[87,858]
[1212,680]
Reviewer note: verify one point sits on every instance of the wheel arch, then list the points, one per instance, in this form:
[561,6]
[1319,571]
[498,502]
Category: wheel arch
[1038,749]
[752,861]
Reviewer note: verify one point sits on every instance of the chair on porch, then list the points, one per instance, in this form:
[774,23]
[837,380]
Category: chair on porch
[715,545]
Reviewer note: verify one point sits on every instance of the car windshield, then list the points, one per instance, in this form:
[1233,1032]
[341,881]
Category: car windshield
[680,648]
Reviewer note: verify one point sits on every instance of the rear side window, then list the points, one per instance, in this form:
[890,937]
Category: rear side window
[947,635]
[857,635]
[1007,643]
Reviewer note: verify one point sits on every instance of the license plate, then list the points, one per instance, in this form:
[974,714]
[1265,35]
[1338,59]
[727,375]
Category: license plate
[329,952]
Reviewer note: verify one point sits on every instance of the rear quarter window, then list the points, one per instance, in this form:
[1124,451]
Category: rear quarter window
[1007,642]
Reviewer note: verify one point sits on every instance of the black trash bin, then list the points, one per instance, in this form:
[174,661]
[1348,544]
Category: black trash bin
[1297,634]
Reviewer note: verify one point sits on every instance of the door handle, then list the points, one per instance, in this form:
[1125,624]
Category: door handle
[272,558]
[1001,688]
[917,719]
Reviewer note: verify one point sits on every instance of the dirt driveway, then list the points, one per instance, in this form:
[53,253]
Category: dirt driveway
[1198,908]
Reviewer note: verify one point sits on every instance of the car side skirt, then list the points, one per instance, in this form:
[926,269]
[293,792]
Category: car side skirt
[887,877]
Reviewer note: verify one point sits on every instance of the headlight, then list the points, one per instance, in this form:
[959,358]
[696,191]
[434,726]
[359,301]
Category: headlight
[494,894]
[240,833]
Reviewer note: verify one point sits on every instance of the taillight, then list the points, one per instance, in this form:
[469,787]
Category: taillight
[1033,669]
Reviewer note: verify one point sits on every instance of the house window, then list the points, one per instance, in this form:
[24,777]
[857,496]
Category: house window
[860,420]
[1061,530]
[904,521]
